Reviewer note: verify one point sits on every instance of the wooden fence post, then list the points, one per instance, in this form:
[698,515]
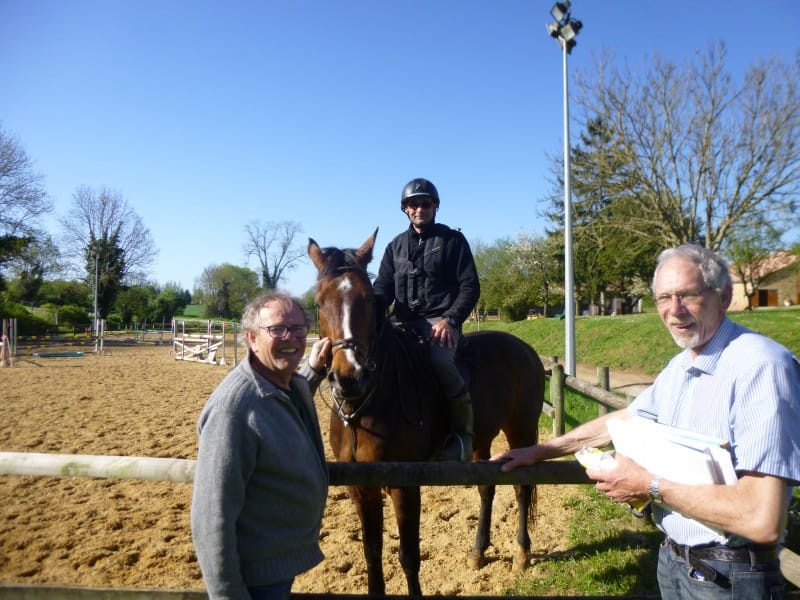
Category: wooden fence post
[603,381]
[557,398]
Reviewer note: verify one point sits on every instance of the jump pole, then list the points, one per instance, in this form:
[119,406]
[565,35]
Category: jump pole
[98,342]
[8,342]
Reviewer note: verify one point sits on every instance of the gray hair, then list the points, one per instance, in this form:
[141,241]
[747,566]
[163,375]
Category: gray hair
[251,319]
[713,267]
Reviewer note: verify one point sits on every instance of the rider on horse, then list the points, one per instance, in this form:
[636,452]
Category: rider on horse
[428,272]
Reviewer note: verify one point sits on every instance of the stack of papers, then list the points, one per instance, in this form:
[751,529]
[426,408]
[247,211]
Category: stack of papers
[672,453]
[675,454]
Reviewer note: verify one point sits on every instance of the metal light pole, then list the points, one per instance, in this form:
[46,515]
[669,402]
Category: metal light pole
[565,29]
[96,321]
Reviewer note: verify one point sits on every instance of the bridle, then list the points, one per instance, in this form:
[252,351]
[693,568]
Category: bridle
[365,355]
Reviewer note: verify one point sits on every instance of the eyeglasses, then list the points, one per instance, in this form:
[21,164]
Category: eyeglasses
[684,298]
[279,332]
[414,204]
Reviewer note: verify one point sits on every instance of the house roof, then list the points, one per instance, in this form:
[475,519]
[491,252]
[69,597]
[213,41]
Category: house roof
[775,262]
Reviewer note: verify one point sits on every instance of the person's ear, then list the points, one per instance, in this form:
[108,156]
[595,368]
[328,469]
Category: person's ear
[250,338]
[726,296]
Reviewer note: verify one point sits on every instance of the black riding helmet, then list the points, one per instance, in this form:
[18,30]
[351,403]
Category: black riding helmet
[417,188]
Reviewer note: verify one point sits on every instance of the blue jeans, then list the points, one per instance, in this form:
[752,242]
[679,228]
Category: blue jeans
[677,580]
[273,591]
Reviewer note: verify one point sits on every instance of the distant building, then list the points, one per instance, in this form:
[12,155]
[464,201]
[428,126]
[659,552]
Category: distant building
[779,287]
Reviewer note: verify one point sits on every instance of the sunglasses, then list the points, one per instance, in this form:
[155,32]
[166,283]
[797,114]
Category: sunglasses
[414,204]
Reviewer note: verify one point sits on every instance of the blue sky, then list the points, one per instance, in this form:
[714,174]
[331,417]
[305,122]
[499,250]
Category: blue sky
[208,115]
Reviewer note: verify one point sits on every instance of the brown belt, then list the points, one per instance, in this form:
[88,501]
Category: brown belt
[742,554]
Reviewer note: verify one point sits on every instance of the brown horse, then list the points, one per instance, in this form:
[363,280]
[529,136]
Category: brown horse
[386,407]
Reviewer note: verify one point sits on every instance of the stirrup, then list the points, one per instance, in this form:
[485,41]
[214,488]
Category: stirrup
[454,449]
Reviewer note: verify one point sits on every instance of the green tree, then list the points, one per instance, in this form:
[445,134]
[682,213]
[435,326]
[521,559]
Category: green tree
[609,257]
[60,292]
[105,266]
[224,290]
[749,252]
[510,279]
[537,265]
[132,304]
[169,302]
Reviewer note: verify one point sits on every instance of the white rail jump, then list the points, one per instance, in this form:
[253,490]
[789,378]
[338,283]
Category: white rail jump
[202,348]
[198,348]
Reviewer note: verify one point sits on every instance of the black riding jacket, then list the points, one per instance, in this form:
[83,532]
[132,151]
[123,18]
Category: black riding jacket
[429,274]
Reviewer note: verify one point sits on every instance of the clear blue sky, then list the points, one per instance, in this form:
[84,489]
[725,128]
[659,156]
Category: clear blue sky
[208,115]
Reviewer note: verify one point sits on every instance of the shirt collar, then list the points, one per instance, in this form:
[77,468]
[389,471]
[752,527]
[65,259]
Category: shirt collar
[711,353]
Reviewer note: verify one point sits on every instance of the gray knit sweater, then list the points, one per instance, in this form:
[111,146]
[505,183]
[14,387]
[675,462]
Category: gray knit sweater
[260,484]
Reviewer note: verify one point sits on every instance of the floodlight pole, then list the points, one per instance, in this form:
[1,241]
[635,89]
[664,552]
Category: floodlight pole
[564,30]
[569,273]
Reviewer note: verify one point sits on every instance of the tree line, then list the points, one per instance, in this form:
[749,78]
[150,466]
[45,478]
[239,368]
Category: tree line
[668,153]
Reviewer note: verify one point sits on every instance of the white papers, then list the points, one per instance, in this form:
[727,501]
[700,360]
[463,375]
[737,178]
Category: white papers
[675,454]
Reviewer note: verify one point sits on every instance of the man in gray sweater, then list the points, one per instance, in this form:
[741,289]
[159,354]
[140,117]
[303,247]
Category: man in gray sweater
[261,480]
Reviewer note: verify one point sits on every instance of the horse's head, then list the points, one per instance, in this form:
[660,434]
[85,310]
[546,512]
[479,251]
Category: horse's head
[347,315]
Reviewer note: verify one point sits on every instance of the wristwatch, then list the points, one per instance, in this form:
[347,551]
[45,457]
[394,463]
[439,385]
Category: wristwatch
[655,490]
[451,321]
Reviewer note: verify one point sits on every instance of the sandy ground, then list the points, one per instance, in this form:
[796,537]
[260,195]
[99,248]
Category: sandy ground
[140,401]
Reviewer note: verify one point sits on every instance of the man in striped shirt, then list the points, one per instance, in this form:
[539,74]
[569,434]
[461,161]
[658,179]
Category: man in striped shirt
[722,541]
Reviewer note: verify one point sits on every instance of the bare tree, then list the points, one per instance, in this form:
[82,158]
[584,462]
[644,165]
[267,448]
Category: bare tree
[105,218]
[106,240]
[23,199]
[271,243]
[699,152]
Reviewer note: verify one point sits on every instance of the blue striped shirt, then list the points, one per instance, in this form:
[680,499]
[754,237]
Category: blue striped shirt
[743,387]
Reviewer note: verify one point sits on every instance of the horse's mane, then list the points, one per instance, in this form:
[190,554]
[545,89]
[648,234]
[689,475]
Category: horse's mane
[338,260]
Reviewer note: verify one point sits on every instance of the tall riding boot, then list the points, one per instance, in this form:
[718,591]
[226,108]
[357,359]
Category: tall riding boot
[458,446]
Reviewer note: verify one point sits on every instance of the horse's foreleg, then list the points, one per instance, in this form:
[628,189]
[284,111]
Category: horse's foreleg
[369,505]
[476,558]
[406,501]
[525,511]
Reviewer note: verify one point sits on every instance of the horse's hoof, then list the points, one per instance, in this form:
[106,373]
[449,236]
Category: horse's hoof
[476,560]
[520,561]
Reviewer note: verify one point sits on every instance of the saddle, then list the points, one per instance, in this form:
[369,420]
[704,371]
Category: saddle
[418,344]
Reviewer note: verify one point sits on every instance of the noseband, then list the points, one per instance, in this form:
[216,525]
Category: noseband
[366,357]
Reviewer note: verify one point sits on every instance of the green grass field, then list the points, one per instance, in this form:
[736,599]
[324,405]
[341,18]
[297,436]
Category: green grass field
[639,342]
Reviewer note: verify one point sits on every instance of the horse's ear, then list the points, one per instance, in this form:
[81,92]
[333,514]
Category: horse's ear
[364,254]
[315,254]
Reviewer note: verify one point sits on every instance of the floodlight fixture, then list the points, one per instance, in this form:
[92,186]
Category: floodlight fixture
[560,11]
[570,30]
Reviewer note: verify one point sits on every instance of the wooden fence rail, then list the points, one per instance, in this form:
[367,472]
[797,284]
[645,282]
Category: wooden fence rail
[21,592]
[396,474]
